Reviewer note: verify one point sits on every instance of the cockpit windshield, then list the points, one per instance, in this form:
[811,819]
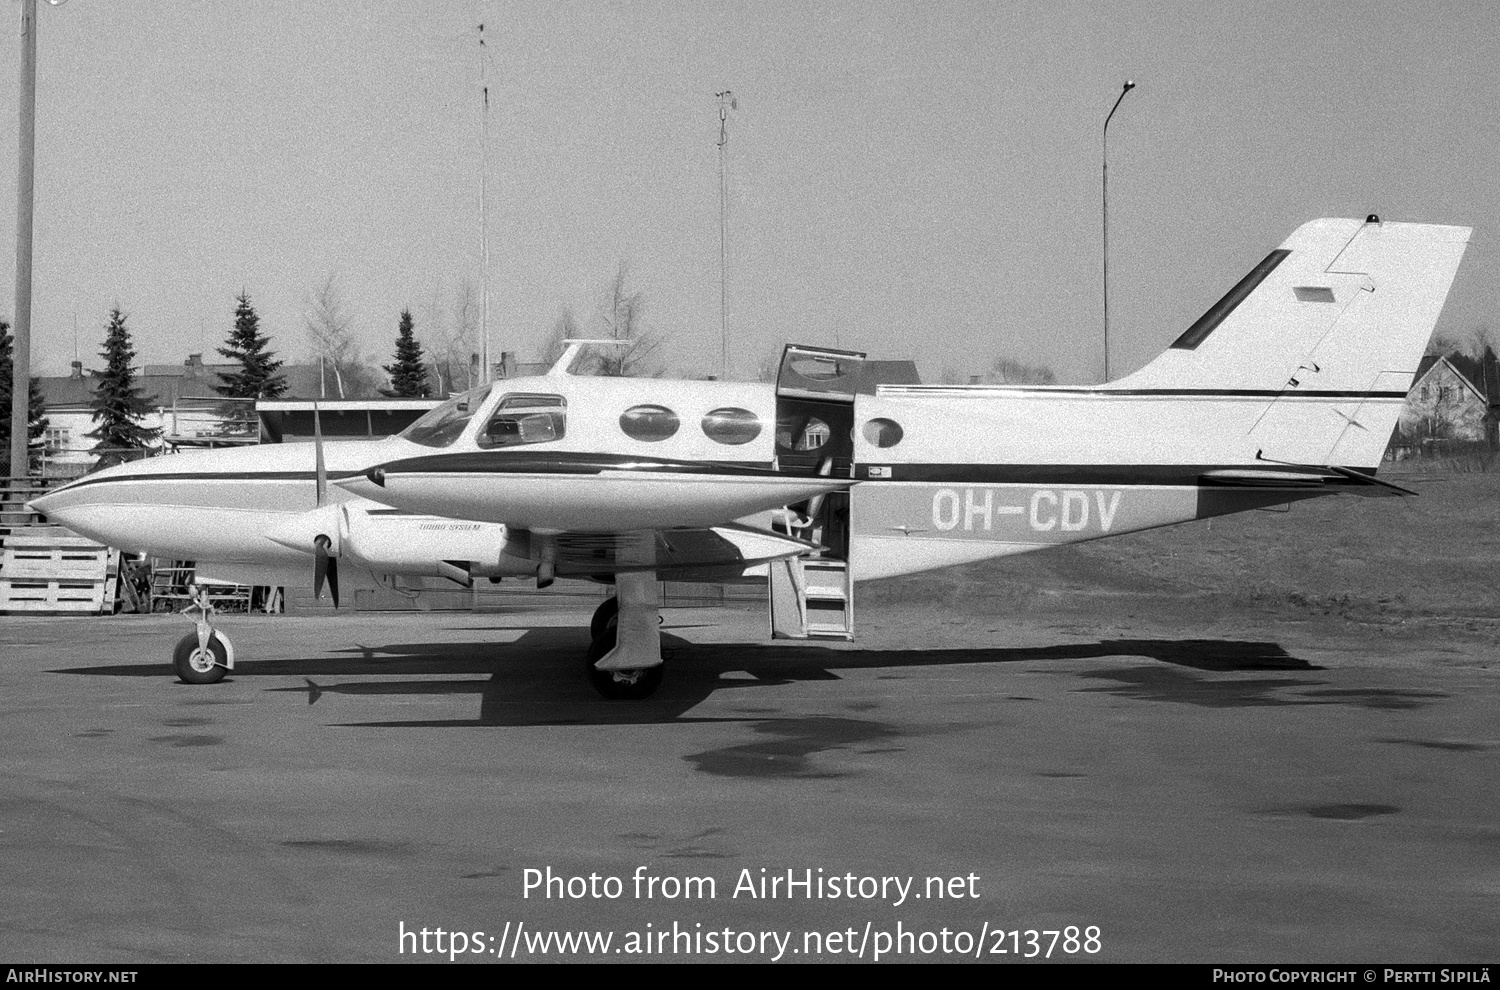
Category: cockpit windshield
[442,425]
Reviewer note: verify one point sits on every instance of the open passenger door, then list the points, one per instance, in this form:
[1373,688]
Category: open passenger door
[812,597]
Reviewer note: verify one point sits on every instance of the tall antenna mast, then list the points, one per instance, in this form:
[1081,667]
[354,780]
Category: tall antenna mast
[484,227]
[20,415]
[727,102]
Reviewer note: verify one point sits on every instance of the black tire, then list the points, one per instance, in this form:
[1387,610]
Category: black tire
[604,616]
[620,685]
[192,668]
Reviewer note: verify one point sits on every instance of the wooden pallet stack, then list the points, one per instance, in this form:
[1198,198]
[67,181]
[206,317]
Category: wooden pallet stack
[15,517]
[46,569]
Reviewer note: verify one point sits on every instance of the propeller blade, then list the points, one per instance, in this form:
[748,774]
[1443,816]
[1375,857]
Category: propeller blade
[325,568]
[321,562]
[320,470]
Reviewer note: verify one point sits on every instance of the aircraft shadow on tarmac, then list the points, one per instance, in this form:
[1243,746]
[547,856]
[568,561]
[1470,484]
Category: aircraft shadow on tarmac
[537,679]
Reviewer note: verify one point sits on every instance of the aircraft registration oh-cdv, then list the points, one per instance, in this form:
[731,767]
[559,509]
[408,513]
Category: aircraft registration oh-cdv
[1287,388]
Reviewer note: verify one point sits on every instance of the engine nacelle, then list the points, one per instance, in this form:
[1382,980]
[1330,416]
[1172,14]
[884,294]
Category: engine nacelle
[396,543]
[301,531]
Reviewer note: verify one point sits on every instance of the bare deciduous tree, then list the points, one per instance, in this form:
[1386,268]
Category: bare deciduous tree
[464,327]
[622,318]
[623,315]
[435,319]
[1470,343]
[566,328]
[330,329]
[1009,371]
[1002,371]
[768,367]
[452,320]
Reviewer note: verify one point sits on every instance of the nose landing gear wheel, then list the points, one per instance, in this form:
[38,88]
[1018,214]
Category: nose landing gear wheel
[197,666]
[620,685]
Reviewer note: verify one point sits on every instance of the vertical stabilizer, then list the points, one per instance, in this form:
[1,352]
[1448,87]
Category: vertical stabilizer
[1330,327]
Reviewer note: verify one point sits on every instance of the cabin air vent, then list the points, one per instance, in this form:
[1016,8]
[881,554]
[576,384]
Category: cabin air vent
[1313,293]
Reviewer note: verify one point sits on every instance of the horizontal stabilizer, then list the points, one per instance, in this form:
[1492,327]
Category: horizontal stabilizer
[1251,478]
[1369,479]
[1305,476]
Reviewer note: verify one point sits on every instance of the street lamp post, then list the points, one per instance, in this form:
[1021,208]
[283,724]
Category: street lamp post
[1129,85]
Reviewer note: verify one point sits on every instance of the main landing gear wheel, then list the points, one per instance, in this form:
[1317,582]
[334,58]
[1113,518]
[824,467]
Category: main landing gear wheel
[604,617]
[199,666]
[620,685]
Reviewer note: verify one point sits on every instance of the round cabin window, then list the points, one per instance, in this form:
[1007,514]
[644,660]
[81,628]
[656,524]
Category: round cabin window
[649,423]
[731,425]
[883,432]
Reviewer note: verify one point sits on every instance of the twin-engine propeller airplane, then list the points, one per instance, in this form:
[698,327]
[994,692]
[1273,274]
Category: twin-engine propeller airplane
[1287,388]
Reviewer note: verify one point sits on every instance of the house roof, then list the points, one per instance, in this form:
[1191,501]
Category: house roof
[166,384]
[77,392]
[61,392]
[1431,362]
[1483,372]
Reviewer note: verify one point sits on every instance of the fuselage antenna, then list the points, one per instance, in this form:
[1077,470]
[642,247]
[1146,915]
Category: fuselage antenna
[573,346]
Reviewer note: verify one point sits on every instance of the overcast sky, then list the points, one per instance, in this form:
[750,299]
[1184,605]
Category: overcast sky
[917,180]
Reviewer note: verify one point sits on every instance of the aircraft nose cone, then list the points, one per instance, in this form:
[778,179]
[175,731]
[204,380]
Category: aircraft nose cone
[78,511]
[59,504]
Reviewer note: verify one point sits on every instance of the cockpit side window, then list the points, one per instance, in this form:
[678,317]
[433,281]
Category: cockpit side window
[440,426]
[525,418]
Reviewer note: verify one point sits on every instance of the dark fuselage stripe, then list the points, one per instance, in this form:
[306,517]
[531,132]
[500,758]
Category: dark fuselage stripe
[567,463]
[307,476]
[1052,475]
[1055,475]
[920,391]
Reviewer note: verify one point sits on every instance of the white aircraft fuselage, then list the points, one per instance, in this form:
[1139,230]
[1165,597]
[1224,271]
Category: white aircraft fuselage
[1287,388]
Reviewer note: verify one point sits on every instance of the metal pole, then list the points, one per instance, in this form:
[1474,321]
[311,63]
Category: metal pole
[484,226]
[733,104]
[20,394]
[1127,88]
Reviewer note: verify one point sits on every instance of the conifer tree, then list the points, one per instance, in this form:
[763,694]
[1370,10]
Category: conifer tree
[118,404]
[409,372]
[257,377]
[36,424]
